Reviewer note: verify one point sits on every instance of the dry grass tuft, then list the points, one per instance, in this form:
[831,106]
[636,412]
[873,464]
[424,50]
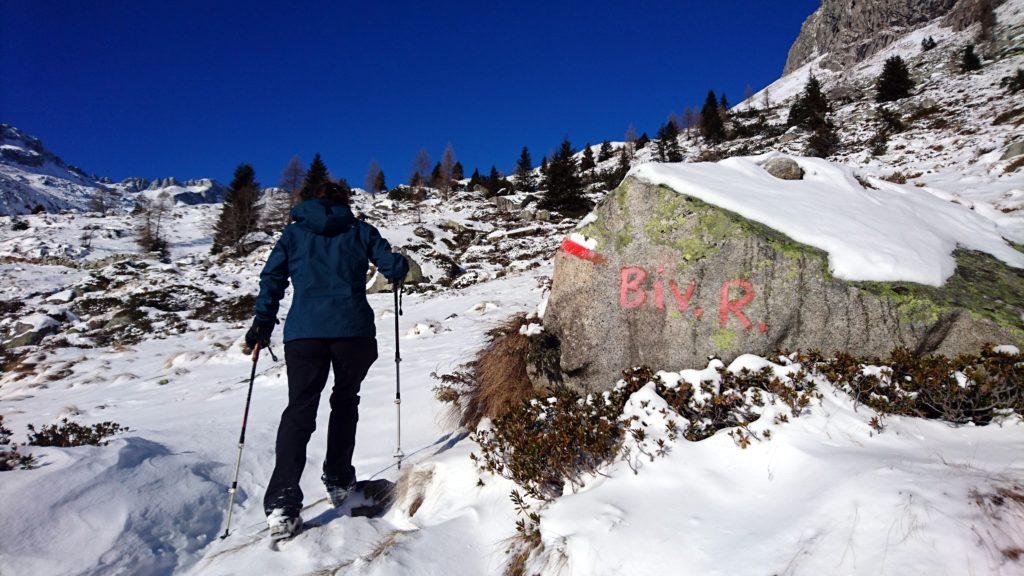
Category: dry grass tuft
[497,379]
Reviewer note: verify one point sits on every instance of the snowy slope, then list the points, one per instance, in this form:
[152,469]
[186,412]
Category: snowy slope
[31,176]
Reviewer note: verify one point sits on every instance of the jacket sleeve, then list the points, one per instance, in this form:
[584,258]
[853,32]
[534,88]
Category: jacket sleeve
[273,282]
[393,266]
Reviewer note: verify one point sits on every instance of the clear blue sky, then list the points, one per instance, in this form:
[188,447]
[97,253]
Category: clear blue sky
[190,89]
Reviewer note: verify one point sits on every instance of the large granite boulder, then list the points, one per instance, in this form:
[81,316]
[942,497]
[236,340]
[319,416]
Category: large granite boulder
[662,279]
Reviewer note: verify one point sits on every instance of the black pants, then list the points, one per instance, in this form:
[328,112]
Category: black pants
[308,362]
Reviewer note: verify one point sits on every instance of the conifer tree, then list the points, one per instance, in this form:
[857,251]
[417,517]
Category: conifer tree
[605,152]
[474,180]
[238,215]
[447,167]
[668,143]
[292,178]
[458,172]
[526,181]
[379,183]
[495,183]
[315,176]
[544,166]
[436,178]
[564,190]
[928,43]
[894,82]
[587,161]
[810,107]
[372,173]
[970,61]
[712,129]
[642,141]
[277,209]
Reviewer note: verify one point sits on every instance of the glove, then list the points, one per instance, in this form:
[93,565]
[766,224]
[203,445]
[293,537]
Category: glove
[259,333]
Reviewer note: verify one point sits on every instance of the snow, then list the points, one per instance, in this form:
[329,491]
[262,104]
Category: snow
[890,233]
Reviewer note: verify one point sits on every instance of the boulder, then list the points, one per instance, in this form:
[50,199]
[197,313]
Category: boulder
[31,330]
[504,203]
[784,168]
[1013,150]
[665,280]
[543,216]
[415,275]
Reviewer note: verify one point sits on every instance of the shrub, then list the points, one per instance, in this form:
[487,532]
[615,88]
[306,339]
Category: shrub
[928,43]
[10,458]
[1013,83]
[19,225]
[67,434]
[969,61]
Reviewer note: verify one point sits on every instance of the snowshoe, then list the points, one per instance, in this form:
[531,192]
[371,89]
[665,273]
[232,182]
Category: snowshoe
[283,524]
[337,492]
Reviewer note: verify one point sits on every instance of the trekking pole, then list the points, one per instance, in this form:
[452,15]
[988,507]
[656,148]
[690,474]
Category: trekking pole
[398,376]
[241,440]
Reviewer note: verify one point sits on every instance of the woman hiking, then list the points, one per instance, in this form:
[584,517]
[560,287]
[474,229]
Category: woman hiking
[325,252]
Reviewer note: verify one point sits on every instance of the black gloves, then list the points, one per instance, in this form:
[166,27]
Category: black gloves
[259,333]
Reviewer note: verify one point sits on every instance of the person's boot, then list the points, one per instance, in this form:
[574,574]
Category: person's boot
[283,523]
[337,491]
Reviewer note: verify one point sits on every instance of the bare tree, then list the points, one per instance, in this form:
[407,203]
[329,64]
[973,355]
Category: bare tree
[986,16]
[691,117]
[631,140]
[766,100]
[150,216]
[102,201]
[372,177]
[292,177]
[447,167]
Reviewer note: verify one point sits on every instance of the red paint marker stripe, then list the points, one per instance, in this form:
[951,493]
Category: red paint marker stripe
[581,251]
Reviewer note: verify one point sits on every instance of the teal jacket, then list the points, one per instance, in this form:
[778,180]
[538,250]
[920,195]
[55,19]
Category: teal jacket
[326,253]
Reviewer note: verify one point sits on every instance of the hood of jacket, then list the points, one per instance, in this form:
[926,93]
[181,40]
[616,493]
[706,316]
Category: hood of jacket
[323,217]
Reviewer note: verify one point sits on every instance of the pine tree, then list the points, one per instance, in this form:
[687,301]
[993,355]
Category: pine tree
[587,161]
[544,166]
[458,172]
[894,83]
[642,141]
[824,140]
[436,178]
[474,180]
[668,143]
[605,153]
[495,183]
[379,183]
[315,176]
[526,181]
[712,129]
[564,190]
[970,61]
[810,107]
[723,102]
[238,215]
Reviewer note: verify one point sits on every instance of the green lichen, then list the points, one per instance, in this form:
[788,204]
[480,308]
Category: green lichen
[724,339]
[671,214]
[983,285]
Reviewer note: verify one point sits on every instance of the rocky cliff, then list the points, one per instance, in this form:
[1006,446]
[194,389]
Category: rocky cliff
[849,31]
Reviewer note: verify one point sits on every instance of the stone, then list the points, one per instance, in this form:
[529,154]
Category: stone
[791,134]
[1013,150]
[32,330]
[784,168]
[543,216]
[673,280]
[424,232]
[503,203]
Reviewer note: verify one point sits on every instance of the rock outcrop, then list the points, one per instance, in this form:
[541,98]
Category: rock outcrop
[852,31]
[665,280]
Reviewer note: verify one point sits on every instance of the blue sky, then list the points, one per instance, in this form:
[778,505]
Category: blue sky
[190,89]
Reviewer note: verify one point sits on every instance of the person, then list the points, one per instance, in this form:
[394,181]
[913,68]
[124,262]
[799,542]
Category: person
[325,252]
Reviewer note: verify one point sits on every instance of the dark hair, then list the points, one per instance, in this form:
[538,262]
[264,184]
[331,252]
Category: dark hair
[335,192]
